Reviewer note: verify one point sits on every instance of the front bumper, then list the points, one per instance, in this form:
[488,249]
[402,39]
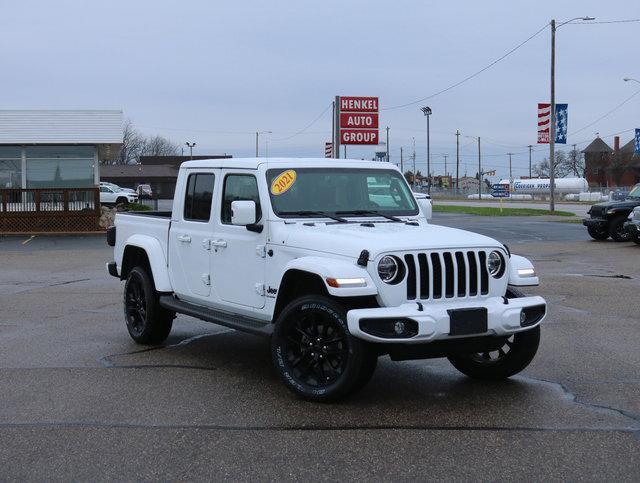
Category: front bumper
[433,323]
[633,228]
[597,223]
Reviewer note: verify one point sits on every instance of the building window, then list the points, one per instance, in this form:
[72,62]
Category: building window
[60,166]
[199,196]
[239,187]
[10,167]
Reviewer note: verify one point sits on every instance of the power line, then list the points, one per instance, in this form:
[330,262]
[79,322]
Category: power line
[608,21]
[307,126]
[475,74]
[605,115]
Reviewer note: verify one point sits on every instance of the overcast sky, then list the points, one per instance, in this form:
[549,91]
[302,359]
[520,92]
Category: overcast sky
[215,72]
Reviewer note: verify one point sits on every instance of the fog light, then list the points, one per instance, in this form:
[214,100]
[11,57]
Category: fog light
[523,318]
[398,327]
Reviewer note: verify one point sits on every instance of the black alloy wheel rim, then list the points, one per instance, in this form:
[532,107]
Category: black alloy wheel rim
[316,349]
[493,356]
[136,306]
[622,233]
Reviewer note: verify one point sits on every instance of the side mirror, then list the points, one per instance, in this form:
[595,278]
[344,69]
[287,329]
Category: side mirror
[243,212]
[425,206]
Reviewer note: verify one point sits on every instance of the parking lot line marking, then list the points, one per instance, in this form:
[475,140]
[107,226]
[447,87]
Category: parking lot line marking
[28,239]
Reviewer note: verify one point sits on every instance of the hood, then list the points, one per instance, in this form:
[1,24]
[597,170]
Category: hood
[626,204]
[349,239]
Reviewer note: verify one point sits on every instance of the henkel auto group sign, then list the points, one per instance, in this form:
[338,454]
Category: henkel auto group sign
[358,120]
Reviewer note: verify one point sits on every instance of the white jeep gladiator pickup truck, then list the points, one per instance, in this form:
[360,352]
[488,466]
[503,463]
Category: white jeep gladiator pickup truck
[335,262]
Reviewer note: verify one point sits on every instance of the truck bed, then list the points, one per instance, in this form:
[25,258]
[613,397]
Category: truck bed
[154,224]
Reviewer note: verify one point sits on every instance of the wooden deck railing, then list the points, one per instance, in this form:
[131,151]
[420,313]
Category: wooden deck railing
[49,209]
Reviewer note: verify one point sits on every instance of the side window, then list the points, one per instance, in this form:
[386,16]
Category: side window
[239,187]
[104,189]
[199,196]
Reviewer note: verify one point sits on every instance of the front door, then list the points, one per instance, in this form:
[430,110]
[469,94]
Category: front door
[237,259]
[191,227]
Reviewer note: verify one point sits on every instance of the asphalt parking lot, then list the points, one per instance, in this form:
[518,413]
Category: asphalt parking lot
[79,400]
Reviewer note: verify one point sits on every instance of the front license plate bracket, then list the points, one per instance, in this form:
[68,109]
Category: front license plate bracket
[468,321]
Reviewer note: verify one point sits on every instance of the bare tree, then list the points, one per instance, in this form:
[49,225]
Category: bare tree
[575,163]
[562,166]
[136,144]
[159,146]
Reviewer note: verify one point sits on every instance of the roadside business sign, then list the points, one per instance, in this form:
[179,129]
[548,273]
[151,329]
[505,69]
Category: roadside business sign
[356,121]
[637,150]
[358,136]
[364,120]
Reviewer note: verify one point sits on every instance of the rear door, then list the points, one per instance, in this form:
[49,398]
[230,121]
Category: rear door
[189,235]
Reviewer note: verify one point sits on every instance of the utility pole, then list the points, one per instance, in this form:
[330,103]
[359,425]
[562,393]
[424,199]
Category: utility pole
[457,159]
[552,127]
[574,161]
[479,172]
[257,135]
[445,163]
[401,162]
[510,172]
[414,162]
[336,124]
[530,148]
[427,112]
[344,148]
[333,130]
[190,146]
[387,144]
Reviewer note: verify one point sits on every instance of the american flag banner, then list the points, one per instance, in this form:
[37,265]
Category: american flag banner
[544,122]
[561,123]
[637,141]
[328,150]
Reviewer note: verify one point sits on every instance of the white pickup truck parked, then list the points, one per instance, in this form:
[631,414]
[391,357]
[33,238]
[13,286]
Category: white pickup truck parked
[335,261]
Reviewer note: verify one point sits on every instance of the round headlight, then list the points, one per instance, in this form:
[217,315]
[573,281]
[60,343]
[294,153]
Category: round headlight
[495,264]
[387,269]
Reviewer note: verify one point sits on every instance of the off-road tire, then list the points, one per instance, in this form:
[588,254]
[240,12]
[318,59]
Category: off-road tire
[522,348]
[636,239]
[147,322]
[617,231]
[596,234]
[322,370]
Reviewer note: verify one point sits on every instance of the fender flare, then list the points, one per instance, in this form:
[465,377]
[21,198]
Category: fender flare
[157,260]
[334,268]
[521,272]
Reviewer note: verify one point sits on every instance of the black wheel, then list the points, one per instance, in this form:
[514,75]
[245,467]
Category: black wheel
[597,234]
[147,322]
[636,239]
[314,353]
[516,353]
[122,201]
[617,231]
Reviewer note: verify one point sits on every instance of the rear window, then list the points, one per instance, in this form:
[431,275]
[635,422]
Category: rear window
[199,196]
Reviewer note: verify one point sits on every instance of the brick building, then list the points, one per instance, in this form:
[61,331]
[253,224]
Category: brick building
[609,167]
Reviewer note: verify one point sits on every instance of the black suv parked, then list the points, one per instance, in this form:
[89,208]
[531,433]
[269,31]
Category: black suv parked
[608,219]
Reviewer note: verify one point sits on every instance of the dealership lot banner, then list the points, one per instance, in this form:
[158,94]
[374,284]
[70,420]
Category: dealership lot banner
[357,120]
[637,141]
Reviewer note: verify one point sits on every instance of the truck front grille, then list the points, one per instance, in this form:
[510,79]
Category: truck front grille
[437,275]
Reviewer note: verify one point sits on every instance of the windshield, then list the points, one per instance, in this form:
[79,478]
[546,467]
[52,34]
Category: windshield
[635,192]
[339,191]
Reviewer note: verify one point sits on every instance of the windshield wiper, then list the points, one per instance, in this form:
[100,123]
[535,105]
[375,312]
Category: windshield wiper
[370,212]
[314,213]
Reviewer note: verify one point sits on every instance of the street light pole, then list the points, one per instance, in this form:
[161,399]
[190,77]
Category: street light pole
[552,127]
[427,112]
[479,172]
[457,159]
[190,146]
[510,172]
[530,148]
[414,162]
[257,135]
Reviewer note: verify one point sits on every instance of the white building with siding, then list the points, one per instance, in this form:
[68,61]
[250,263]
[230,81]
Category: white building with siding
[56,148]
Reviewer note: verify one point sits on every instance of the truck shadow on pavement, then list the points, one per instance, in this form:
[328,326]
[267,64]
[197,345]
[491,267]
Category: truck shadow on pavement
[230,366]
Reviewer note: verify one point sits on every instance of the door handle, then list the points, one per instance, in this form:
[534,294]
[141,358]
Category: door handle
[219,243]
[184,238]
